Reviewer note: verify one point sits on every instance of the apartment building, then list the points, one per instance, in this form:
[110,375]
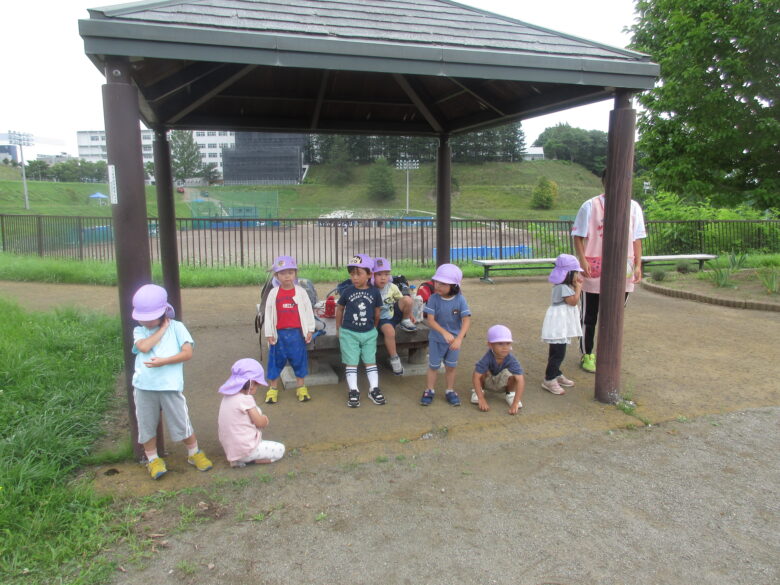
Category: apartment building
[92,145]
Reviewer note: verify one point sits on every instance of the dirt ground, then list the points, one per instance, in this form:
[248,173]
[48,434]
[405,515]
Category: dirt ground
[570,491]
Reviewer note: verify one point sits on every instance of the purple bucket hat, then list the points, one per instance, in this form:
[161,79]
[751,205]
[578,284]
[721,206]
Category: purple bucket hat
[499,333]
[382,265]
[242,372]
[284,263]
[564,264]
[150,302]
[362,261]
[448,274]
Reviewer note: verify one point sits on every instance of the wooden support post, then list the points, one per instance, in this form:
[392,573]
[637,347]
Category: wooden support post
[443,200]
[620,160]
[169,252]
[126,178]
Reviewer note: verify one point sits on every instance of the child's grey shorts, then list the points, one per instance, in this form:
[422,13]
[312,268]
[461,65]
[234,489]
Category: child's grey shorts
[147,410]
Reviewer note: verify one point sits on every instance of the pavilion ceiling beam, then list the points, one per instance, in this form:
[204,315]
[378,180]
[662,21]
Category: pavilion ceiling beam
[172,84]
[471,88]
[315,115]
[416,93]
[203,91]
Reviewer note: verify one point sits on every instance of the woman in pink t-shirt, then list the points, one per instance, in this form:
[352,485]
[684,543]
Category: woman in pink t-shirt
[241,420]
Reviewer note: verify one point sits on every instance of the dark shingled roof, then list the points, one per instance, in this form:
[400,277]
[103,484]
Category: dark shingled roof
[396,66]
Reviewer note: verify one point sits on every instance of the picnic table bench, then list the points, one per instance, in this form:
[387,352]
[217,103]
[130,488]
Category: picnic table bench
[530,263]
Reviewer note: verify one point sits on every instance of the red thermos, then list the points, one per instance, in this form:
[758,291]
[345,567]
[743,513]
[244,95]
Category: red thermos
[330,307]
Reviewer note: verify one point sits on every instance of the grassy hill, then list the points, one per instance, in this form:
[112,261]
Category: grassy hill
[485,190]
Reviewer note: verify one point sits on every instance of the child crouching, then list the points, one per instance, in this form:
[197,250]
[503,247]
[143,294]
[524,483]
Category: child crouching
[241,421]
[499,371]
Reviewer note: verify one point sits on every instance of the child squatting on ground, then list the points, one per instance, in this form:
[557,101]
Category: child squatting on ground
[448,317]
[161,345]
[396,309]
[288,327]
[240,419]
[498,371]
[357,317]
[562,320]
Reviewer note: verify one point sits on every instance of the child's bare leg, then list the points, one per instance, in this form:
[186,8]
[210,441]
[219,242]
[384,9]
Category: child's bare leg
[300,382]
[430,378]
[405,304]
[273,383]
[449,376]
[389,332]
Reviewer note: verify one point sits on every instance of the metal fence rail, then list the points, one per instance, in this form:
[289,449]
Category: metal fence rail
[332,242]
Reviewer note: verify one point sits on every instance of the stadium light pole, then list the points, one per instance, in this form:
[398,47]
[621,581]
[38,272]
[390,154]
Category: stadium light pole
[22,139]
[406,164]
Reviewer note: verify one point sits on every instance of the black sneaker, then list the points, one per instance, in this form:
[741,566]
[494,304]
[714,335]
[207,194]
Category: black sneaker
[353,399]
[377,396]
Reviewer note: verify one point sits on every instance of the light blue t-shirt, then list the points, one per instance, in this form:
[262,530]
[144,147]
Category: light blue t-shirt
[170,377]
[448,313]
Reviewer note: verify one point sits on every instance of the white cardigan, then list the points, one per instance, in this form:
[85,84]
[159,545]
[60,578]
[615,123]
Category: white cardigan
[305,311]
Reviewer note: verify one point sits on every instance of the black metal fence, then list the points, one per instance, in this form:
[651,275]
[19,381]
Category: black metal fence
[332,242]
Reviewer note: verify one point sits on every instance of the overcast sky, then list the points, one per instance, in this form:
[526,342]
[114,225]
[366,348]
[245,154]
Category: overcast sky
[51,90]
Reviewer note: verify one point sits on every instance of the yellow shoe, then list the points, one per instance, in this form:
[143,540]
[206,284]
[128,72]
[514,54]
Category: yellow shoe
[200,461]
[271,396]
[157,468]
[303,394]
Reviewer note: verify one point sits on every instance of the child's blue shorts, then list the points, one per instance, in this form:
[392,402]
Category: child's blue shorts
[290,346]
[440,350]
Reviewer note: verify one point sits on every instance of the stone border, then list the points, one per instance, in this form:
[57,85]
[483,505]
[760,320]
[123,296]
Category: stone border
[690,296]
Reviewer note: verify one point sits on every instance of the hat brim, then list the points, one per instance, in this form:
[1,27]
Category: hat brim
[156,314]
[235,383]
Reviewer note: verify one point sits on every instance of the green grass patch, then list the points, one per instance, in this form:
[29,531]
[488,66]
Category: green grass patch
[57,375]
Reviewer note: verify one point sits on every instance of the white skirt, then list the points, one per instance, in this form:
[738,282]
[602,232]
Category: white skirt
[560,323]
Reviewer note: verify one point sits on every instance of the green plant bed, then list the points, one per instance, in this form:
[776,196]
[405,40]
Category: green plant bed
[743,285]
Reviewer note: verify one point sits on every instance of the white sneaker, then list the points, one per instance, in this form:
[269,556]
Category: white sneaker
[407,325]
[553,387]
[510,398]
[564,381]
[474,399]
[395,364]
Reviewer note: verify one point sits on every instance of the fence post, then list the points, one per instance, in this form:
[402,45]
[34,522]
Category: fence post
[80,230]
[39,234]
[2,231]
[500,238]
[241,239]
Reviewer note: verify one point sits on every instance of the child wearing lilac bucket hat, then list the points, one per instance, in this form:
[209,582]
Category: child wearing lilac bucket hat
[562,320]
[448,316]
[499,371]
[241,421]
[288,327]
[161,345]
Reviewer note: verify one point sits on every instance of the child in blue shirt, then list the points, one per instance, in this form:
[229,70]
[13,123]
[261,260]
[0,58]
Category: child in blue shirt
[161,345]
[357,317]
[448,317]
[499,371]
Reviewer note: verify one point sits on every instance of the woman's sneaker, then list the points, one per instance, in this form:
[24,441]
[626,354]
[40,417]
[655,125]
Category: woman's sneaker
[564,381]
[396,365]
[353,399]
[588,363]
[553,387]
[377,396]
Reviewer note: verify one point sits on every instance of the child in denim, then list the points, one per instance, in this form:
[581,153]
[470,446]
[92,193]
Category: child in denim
[396,310]
[357,317]
[288,327]
[448,317]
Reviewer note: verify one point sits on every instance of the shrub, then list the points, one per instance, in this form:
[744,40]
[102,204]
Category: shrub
[658,275]
[683,267]
[544,194]
[380,180]
[770,278]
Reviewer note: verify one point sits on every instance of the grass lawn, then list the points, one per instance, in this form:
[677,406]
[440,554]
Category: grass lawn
[58,372]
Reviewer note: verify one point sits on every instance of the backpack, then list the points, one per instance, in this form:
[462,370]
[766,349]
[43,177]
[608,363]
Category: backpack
[425,290]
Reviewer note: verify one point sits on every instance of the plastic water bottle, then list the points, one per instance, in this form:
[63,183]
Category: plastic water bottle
[417,308]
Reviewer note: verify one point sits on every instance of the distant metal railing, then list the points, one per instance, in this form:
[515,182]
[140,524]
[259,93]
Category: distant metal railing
[220,242]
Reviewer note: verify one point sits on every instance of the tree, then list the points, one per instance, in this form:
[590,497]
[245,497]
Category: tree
[37,170]
[149,169]
[185,155]
[544,194]
[585,147]
[69,171]
[210,173]
[711,126]
[338,157]
[505,143]
[380,180]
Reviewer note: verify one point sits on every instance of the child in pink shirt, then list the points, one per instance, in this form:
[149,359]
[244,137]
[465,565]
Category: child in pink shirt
[240,419]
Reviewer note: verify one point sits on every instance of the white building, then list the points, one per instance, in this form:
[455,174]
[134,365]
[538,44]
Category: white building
[533,153]
[92,145]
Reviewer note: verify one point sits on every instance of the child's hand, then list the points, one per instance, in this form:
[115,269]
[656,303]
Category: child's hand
[483,405]
[578,279]
[155,362]
[455,343]
[514,409]
[308,337]
[448,337]
[271,340]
